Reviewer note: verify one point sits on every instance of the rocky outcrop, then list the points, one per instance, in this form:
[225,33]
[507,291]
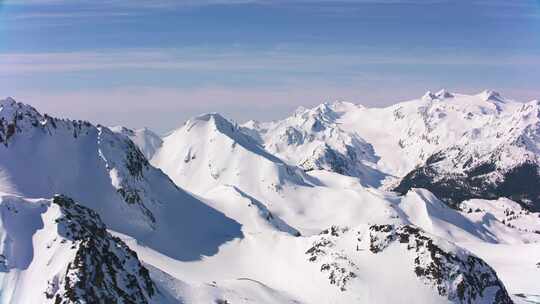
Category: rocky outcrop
[498,159]
[333,261]
[454,178]
[103,270]
[455,274]
[16,118]
[451,272]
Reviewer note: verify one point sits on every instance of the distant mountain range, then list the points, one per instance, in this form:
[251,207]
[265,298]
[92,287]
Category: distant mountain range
[433,200]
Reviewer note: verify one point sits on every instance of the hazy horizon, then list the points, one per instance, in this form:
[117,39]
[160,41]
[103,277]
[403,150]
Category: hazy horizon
[155,63]
[250,114]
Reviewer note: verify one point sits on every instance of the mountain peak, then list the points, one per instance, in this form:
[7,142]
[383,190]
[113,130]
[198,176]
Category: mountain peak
[209,116]
[326,109]
[220,123]
[443,93]
[324,112]
[213,124]
[9,107]
[440,95]
[489,95]
[122,130]
[252,124]
[428,96]
[300,110]
[212,116]
[8,100]
[145,139]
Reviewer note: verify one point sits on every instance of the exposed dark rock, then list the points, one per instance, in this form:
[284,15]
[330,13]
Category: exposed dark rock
[104,269]
[520,183]
[336,264]
[459,276]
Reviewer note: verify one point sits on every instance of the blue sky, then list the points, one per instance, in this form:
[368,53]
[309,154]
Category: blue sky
[155,63]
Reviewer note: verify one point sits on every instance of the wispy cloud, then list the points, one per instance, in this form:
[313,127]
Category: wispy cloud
[504,3]
[179,3]
[187,3]
[205,60]
[69,15]
[40,9]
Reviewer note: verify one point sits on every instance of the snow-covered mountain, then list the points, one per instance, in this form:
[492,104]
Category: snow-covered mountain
[498,159]
[41,156]
[146,140]
[228,164]
[313,140]
[450,271]
[209,150]
[56,251]
[291,211]
[484,145]
[408,133]
[340,265]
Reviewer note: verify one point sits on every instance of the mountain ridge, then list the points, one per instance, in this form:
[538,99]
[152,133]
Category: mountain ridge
[219,212]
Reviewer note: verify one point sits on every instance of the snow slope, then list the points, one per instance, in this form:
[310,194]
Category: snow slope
[292,211]
[483,144]
[421,127]
[56,251]
[232,167]
[41,156]
[313,140]
[216,159]
[499,159]
[209,150]
[146,140]
[221,163]
[416,128]
[338,266]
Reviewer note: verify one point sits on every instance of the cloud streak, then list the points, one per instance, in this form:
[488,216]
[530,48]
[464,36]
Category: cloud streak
[87,9]
[204,60]
[180,3]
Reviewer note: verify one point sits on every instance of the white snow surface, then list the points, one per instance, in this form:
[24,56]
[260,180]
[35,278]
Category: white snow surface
[236,208]
[104,171]
[391,141]
[147,141]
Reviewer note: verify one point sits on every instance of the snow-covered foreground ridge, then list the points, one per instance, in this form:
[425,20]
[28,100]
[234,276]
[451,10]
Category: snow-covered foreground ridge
[290,211]
[56,251]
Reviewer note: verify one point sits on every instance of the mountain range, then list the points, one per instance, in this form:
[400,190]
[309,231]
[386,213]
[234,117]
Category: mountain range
[432,200]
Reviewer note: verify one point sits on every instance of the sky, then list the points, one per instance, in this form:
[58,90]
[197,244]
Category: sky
[155,63]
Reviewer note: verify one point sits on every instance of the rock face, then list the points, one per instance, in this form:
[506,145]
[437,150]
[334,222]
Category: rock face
[449,271]
[485,180]
[336,264]
[500,159]
[16,118]
[104,269]
[455,274]
[57,251]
